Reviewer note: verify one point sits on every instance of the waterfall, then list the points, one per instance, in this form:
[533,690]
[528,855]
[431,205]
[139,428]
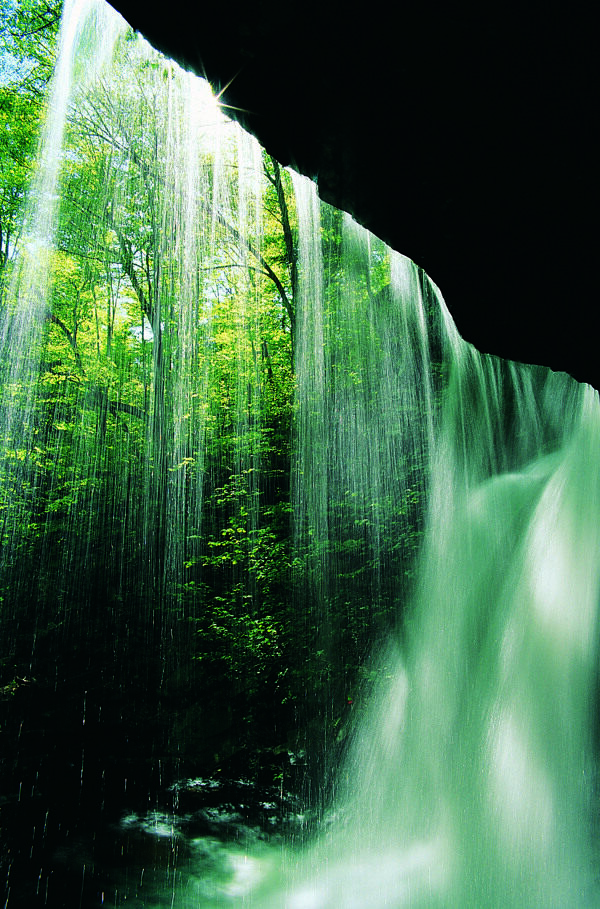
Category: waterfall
[252,478]
[139,452]
[470,776]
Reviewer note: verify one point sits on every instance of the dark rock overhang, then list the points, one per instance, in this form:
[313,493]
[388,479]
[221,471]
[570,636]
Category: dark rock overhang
[462,136]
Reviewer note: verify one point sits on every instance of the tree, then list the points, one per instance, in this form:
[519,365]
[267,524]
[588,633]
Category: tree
[28,31]
[146,503]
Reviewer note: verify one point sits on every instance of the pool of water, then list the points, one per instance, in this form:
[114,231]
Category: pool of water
[207,845]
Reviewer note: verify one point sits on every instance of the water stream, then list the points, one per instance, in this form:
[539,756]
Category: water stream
[444,523]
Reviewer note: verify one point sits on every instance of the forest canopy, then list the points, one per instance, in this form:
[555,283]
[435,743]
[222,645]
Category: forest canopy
[153,410]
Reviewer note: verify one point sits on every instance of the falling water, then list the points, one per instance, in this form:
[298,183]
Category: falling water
[471,779]
[132,462]
[470,776]
[445,508]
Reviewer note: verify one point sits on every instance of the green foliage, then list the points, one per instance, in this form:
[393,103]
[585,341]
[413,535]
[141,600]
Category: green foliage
[146,497]
[28,30]
[19,124]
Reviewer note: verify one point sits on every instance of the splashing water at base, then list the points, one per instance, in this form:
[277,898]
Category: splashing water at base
[469,777]
[471,780]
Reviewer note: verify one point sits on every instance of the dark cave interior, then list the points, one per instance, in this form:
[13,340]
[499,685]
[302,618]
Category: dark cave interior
[461,135]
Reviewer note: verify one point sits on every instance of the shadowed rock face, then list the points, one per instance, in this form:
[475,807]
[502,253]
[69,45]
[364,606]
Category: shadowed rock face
[462,137]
